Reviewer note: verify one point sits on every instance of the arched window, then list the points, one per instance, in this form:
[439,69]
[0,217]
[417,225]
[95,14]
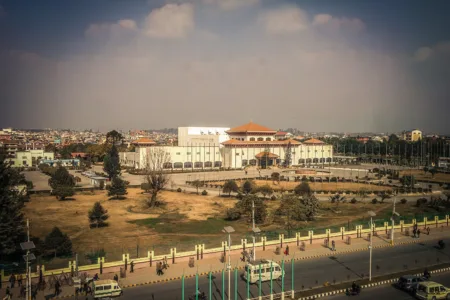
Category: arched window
[217,164]
[244,162]
[198,164]
[301,161]
[178,165]
[252,162]
[252,139]
[260,139]
[268,139]
[187,165]
[167,165]
[208,164]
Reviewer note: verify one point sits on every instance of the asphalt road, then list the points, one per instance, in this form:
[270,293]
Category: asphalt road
[390,292]
[307,274]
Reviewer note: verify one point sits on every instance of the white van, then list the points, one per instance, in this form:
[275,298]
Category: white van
[106,288]
[252,270]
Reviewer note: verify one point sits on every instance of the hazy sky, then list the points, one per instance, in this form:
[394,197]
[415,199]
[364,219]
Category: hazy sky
[319,65]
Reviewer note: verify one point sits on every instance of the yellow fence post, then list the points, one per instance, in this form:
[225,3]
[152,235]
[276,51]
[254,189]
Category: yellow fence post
[150,255]
[436,219]
[311,236]
[342,232]
[297,236]
[402,224]
[281,238]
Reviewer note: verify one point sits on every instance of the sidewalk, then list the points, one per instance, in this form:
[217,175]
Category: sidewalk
[147,275]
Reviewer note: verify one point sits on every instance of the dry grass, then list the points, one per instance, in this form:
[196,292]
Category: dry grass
[332,186]
[420,175]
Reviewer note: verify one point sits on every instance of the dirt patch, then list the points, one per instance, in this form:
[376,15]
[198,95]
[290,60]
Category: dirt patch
[318,186]
[420,175]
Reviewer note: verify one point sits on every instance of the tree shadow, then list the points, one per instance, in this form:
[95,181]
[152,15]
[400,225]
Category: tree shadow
[117,198]
[67,199]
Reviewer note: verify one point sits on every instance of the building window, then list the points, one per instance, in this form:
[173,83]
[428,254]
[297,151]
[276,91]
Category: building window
[198,164]
[178,165]
[260,139]
[198,153]
[178,153]
[189,153]
[268,139]
[207,152]
[188,165]
[208,164]
[237,154]
[217,164]
[252,139]
[167,165]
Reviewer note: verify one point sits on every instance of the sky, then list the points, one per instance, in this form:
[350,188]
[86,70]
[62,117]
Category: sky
[317,65]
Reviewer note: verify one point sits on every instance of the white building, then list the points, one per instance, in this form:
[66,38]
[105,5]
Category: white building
[412,135]
[30,158]
[249,144]
[188,136]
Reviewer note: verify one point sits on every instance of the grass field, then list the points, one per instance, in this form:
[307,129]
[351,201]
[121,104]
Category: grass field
[186,220]
[325,186]
[420,175]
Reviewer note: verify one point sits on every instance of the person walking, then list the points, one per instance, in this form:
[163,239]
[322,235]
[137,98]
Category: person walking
[19,280]
[116,278]
[158,269]
[414,233]
[12,280]
[57,288]
[131,267]
[418,233]
[428,230]
[333,246]
[8,294]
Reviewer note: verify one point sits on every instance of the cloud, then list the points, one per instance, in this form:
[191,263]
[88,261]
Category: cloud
[95,30]
[334,24]
[285,20]
[172,21]
[426,53]
[231,4]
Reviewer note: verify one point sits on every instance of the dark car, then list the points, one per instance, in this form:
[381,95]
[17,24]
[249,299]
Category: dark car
[409,282]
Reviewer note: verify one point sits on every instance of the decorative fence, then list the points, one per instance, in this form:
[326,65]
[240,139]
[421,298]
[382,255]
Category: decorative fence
[199,251]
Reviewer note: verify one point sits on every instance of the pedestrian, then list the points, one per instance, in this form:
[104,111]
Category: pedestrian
[116,278]
[158,269]
[161,268]
[34,293]
[57,288]
[12,280]
[333,246]
[131,267]
[19,280]
[428,231]
[8,291]
[418,233]
[287,250]
[22,291]
[414,233]
[85,288]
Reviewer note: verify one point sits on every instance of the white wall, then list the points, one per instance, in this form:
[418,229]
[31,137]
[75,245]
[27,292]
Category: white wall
[193,135]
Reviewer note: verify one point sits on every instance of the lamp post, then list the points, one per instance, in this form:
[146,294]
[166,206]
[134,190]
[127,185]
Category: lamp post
[394,213]
[28,257]
[371,214]
[229,230]
[255,230]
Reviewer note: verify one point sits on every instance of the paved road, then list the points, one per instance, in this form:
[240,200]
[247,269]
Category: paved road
[390,292]
[309,273]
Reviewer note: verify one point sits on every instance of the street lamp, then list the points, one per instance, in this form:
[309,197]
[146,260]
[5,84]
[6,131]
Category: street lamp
[394,213]
[229,230]
[255,230]
[28,257]
[371,214]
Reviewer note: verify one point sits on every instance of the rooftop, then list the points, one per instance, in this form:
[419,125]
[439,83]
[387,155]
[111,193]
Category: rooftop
[251,127]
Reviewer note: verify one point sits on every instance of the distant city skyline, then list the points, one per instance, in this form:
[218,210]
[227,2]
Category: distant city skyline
[320,66]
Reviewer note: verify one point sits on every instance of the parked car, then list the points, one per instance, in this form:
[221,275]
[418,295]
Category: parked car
[430,290]
[409,282]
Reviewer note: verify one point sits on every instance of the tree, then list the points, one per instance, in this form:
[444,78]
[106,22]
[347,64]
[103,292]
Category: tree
[310,206]
[248,187]
[98,215]
[113,137]
[384,196]
[155,176]
[245,207]
[230,186]
[288,156]
[302,189]
[111,163]
[275,177]
[289,207]
[59,242]
[62,183]
[265,190]
[11,203]
[117,188]
[197,183]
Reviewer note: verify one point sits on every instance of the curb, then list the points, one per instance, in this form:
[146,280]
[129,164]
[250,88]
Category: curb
[277,261]
[367,286]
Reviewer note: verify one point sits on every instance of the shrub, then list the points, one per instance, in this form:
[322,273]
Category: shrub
[239,196]
[179,190]
[204,193]
[403,201]
[374,201]
[59,242]
[233,214]
[273,197]
[353,201]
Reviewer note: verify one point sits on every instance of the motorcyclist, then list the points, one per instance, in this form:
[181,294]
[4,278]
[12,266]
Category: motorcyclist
[426,274]
[354,286]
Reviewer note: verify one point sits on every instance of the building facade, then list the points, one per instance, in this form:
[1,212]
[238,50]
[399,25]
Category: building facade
[247,145]
[30,158]
[412,135]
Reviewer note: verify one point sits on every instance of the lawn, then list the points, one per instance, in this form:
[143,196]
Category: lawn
[318,186]
[420,175]
[186,220]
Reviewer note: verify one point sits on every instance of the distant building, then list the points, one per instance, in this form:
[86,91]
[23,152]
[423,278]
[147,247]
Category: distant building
[282,135]
[202,136]
[412,135]
[363,139]
[30,158]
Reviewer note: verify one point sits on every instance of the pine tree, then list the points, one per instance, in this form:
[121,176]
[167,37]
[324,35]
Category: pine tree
[98,215]
[11,203]
[58,241]
[111,163]
[117,188]
[288,156]
[62,183]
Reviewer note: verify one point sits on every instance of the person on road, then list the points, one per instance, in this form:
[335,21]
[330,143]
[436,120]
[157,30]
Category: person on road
[414,233]
[428,230]
[333,246]
[131,267]
[12,280]
[418,233]
[354,286]
[286,252]
[116,278]
[19,280]
[96,277]
[57,288]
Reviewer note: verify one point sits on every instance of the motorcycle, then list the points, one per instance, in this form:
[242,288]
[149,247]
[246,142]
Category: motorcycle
[353,291]
[201,296]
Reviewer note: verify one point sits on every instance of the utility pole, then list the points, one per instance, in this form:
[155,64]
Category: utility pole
[394,213]
[253,229]
[27,246]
